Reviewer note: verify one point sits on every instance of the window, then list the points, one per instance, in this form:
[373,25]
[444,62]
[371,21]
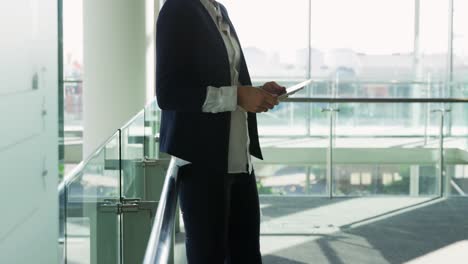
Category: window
[367,39]
[433,44]
[460,41]
[389,178]
[73,65]
[361,178]
[274,37]
[461,172]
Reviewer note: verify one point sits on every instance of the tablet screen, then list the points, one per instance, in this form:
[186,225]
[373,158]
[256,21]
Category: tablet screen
[293,89]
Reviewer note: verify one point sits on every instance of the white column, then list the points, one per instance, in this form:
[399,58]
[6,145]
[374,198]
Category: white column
[118,60]
[414,180]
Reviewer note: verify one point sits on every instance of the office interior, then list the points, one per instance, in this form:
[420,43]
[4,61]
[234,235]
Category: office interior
[367,164]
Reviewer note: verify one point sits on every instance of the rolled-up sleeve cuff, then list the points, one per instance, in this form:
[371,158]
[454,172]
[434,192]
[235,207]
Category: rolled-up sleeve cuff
[222,99]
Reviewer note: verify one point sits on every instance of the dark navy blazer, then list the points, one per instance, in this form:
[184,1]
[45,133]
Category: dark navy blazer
[191,55]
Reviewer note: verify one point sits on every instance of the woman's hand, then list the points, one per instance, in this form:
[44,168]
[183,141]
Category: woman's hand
[255,100]
[274,88]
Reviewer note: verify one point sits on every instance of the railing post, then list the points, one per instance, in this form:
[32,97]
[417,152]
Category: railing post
[331,113]
[442,178]
[307,185]
[441,153]
[427,108]
[414,180]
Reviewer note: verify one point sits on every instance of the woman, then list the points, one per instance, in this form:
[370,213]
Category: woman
[209,127]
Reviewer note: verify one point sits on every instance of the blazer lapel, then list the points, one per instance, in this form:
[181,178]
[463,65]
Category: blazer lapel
[214,29]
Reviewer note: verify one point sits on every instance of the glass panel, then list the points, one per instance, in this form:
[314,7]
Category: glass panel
[152,123]
[133,140]
[72,20]
[73,106]
[460,41]
[92,223]
[73,39]
[344,46]
[374,89]
[433,44]
[271,48]
[456,149]
[290,179]
[284,119]
[383,149]
[294,164]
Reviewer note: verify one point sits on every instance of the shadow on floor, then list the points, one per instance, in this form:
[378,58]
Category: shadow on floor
[271,259]
[286,205]
[395,239]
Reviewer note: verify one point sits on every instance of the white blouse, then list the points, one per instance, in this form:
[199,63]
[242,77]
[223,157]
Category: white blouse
[223,99]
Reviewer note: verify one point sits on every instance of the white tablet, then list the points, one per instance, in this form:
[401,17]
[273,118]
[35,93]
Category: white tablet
[293,89]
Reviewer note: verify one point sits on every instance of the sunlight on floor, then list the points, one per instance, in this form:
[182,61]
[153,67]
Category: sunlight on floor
[330,218]
[456,253]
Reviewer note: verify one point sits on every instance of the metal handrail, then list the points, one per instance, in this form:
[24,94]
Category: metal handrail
[138,115]
[72,81]
[133,119]
[161,238]
[364,82]
[372,100]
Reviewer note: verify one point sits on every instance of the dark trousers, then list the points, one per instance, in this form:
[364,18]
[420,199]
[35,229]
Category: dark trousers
[221,216]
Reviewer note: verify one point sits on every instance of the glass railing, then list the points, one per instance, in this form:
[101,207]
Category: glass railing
[299,119]
[90,220]
[133,141]
[350,143]
[366,138]
[108,201]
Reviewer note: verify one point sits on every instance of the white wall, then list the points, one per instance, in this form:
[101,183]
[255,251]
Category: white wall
[28,132]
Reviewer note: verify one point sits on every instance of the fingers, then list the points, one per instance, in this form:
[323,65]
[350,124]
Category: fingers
[275,85]
[267,105]
[282,90]
[256,100]
[267,102]
[274,88]
[269,89]
[270,99]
